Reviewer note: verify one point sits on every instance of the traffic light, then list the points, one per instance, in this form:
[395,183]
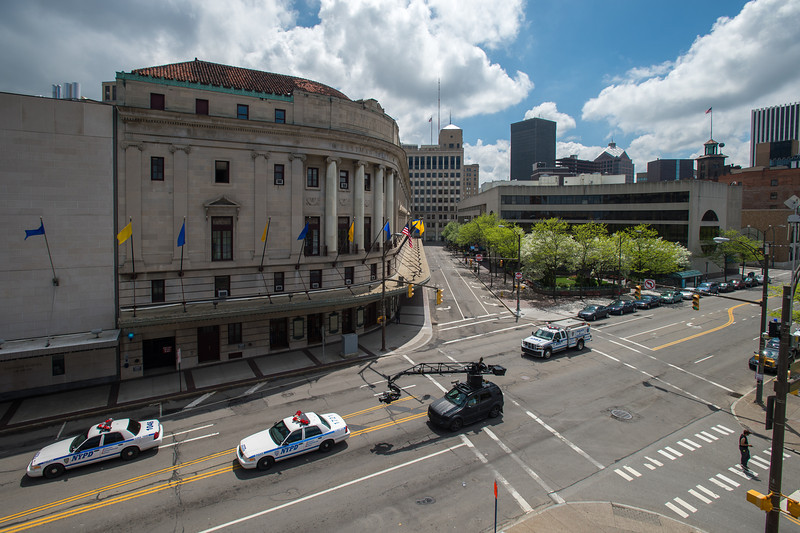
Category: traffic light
[638,292]
[696,302]
[380,320]
[439,293]
[762,501]
[501,263]
[410,290]
[793,507]
[774,328]
[794,378]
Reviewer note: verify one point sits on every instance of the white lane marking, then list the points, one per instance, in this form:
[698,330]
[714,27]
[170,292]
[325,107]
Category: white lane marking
[701,437]
[703,359]
[729,430]
[693,443]
[673,451]
[199,400]
[699,496]
[701,378]
[187,440]
[465,319]
[468,324]
[430,378]
[622,474]
[370,385]
[686,505]
[759,462]
[652,330]
[739,472]
[665,454]
[525,506]
[709,435]
[453,296]
[769,452]
[710,493]
[688,447]
[189,430]
[332,489]
[252,389]
[657,463]
[487,333]
[632,471]
[61,430]
[630,366]
[677,511]
[720,484]
[401,388]
[553,494]
[563,439]
[729,480]
[651,467]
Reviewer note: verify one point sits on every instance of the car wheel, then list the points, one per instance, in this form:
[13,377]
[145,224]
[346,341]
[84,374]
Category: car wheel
[53,470]
[547,353]
[495,412]
[265,463]
[456,424]
[129,453]
[579,346]
[326,446]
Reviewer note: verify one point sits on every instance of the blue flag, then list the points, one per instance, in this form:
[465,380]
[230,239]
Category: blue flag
[32,232]
[182,235]
[303,233]
[388,231]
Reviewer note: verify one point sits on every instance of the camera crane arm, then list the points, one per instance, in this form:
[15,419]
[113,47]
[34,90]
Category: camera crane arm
[474,371]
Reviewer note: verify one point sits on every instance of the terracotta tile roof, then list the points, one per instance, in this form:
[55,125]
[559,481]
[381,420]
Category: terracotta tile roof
[226,76]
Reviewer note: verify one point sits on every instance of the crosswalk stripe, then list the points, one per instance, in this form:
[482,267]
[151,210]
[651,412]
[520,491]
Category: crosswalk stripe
[665,454]
[701,487]
[729,430]
[720,484]
[699,496]
[673,451]
[738,472]
[657,463]
[769,452]
[685,445]
[693,443]
[701,437]
[709,435]
[623,475]
[729,480]
[679,512]
[686,505]
[763,465]
[632,471]
[651,467]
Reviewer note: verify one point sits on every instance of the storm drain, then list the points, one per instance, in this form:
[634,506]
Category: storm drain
[619,414]
[426,501]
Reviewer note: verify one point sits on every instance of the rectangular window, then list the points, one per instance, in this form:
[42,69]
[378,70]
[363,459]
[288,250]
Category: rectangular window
[58,365]
[773,196]
[311,246]
[221,238]
[222,171]
[774,183]
[278,285]
[312,177]
[242,111]
[343,231]
[156,101]
[367,182]
[201,106]
[280,116]
[278,173]
[156,169]
[222,286]
[157,293]
[344,180]
[349,273]
[235,333]
[316,279]
[373,271]
[368,236]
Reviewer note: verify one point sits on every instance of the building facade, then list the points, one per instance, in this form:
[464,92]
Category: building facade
[470,183]
[614,160]
[771,124]
[687,212]
[670,170]
[436,176]
[711,165]
[532,141]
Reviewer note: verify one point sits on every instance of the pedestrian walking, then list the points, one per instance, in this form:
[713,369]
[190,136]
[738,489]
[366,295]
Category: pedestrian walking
[744,448]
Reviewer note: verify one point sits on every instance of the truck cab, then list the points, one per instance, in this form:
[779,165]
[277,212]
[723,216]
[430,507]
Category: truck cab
[556,336]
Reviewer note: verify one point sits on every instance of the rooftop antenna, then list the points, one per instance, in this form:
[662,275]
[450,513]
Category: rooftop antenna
[439,107]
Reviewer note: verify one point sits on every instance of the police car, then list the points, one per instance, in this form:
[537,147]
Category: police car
[294,435]
[113,438]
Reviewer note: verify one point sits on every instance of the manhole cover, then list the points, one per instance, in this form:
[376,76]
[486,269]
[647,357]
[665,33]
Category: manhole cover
[426,501]
[621,415]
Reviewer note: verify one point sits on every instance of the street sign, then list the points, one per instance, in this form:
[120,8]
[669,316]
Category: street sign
[649,284]
[479,258]
[518,275]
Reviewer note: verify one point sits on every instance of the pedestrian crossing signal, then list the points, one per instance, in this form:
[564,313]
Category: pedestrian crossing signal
[696,302]
[439,294]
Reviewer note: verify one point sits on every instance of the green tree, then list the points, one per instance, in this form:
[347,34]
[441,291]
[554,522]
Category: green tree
[587,238]
[548,249]
[650,255]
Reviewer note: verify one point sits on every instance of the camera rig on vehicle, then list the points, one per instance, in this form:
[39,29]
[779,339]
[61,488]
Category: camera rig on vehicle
[474,371]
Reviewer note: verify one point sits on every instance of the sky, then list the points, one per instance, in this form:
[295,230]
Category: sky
[641,74]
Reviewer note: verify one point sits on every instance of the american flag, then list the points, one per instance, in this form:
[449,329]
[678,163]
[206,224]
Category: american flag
[407,233]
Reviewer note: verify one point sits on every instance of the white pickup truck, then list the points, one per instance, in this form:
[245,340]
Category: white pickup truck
[556,336]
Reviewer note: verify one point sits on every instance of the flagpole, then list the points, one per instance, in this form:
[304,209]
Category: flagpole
[264,251]
[180,271]
[133,266]
[46,243]
[371,245]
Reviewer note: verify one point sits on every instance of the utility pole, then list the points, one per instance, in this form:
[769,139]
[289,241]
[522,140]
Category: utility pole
[762,341]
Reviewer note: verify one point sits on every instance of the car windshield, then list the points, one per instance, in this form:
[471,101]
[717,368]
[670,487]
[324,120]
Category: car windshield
[456,396]
[771,354]
[591,308]
[279,432]
[76,441]
[542,334]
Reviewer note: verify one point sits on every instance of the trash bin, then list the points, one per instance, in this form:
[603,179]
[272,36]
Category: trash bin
[349,344]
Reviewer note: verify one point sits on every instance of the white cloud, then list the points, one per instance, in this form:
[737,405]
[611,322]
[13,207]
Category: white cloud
[566,149]
[549,111]
[494,159]
[744,62]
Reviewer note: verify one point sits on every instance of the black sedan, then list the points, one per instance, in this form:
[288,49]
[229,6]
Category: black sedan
[725,287]
[619,307]
[647,301]
[593,312]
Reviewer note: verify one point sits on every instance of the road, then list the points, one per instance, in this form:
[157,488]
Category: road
[642,416]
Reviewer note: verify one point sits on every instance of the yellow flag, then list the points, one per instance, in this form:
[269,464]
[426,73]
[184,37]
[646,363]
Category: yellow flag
[419,225]
[125,234]
[350,231]
[264,235]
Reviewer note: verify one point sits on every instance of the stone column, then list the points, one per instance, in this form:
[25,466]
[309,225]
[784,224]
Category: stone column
[180,199]
[390,203]
[297,183]
[331,215]
[358,207]
[378,199]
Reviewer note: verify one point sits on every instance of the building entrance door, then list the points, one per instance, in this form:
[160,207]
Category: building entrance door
[278,333]
[347,321]
[158,354]
[315,328]
[207,344]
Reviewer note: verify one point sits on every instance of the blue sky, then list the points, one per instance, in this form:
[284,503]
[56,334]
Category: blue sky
[641,73]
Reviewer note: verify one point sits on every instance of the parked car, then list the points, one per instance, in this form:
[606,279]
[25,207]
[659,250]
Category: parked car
[760,279]
[671,297]
[593,312]
[688,293]
[725,287]
[708,287]
[737,284]
[749,281]
[647,301]
[619,307]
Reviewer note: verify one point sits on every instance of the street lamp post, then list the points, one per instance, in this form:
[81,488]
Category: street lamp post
[519,266]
